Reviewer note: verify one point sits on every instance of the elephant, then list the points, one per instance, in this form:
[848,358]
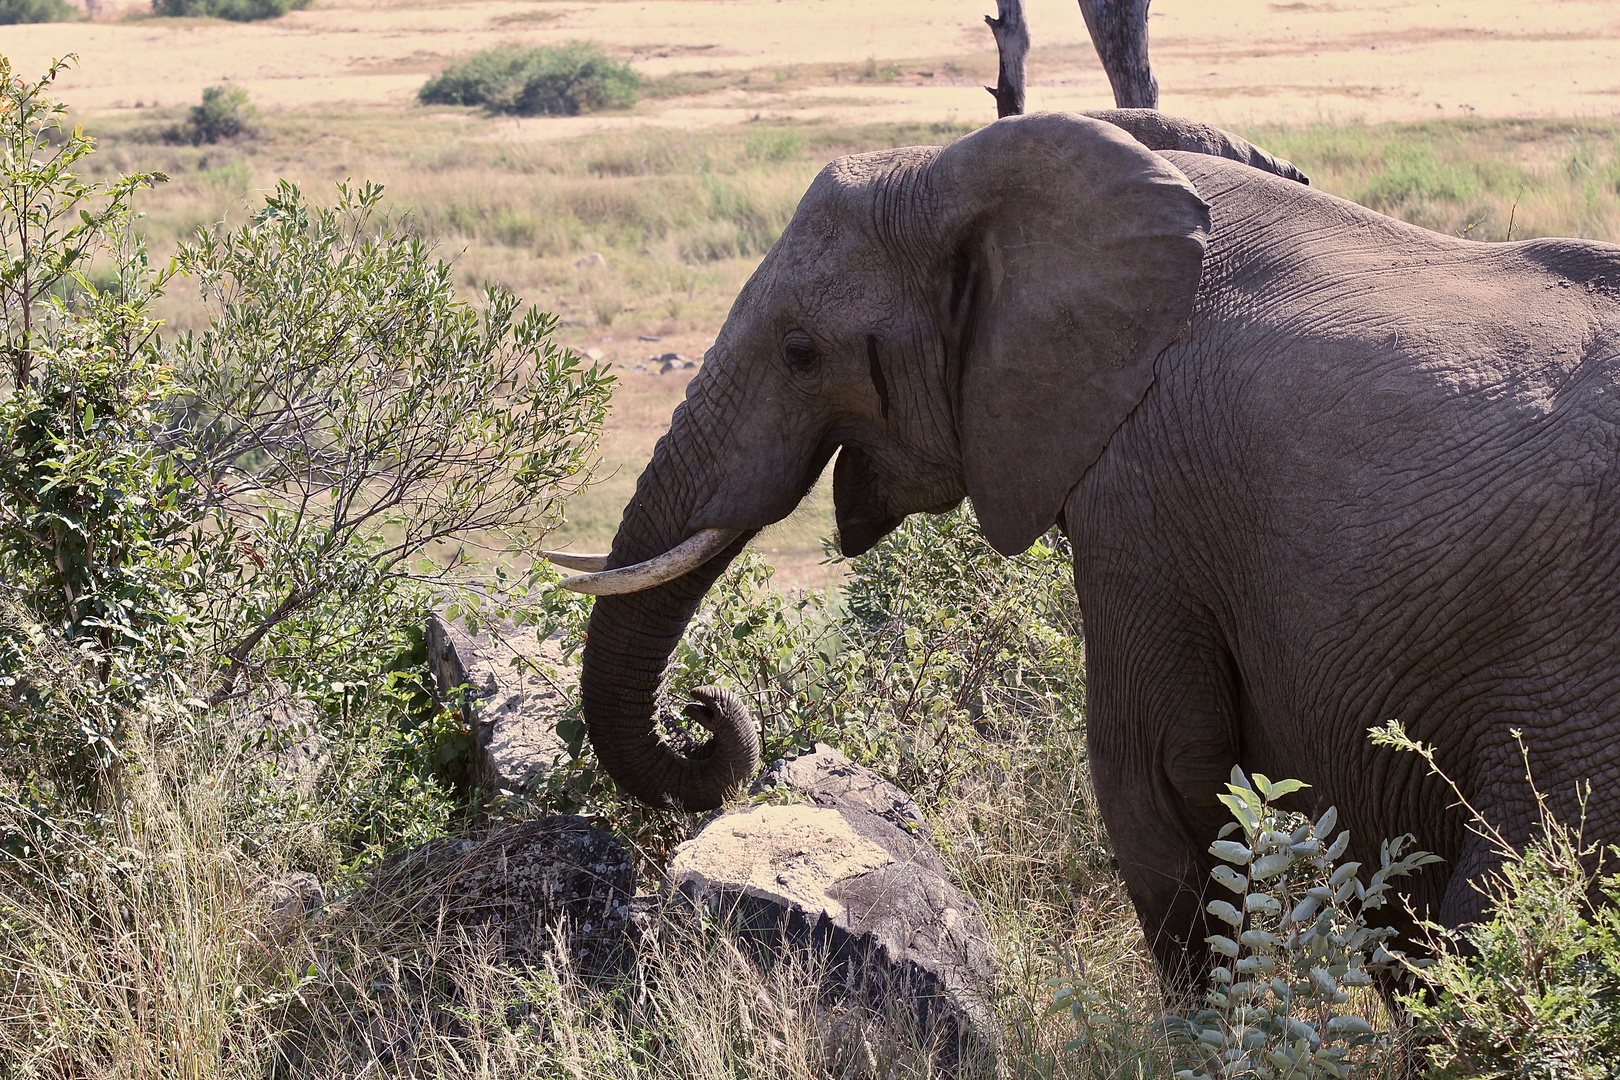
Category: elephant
[1319,469]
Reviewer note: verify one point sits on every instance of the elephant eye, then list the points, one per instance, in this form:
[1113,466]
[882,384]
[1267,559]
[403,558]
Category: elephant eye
[800,350]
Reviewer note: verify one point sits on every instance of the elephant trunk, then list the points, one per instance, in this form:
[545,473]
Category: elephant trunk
[631,637]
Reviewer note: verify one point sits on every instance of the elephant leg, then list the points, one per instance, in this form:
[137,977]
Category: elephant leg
[1162,736]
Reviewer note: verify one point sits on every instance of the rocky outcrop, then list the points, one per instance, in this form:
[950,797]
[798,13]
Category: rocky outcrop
[513,687]
[848,880]
[285,732]
[526,888]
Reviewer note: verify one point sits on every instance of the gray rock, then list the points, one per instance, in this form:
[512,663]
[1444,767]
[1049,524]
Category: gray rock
[285,731]
[897,933]
[520,887]
[515,687]
[664,363]
[595,258]
[827,778]
[289,903]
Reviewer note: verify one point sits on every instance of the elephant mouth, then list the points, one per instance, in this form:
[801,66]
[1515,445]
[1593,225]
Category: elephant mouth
[861,508]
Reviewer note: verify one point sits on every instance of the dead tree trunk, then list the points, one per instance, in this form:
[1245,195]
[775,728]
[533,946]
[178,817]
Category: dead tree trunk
[1012,42]
[1119,30]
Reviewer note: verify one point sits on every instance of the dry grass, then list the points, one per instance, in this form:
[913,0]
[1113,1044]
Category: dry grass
[156,954]
[1483,179]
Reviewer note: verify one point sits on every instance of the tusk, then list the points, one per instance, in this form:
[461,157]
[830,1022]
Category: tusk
[591,564]
[689,554]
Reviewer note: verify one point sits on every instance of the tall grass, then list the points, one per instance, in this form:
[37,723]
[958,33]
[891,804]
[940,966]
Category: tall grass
[1476,178]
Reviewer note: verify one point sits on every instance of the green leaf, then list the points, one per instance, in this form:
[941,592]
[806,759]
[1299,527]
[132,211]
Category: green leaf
[1282,788]
[1269,866]
[1325,823]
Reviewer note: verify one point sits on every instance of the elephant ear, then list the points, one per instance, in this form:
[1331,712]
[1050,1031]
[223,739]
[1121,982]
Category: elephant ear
[1075,259]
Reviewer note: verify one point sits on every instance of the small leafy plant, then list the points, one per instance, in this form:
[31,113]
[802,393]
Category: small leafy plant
[1300,945]
[225,113]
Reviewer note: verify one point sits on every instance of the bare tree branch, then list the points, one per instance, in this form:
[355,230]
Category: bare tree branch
[1012,42]
[1119,31]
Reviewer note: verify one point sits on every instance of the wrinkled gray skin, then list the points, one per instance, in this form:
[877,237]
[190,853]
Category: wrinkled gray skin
[1320,469]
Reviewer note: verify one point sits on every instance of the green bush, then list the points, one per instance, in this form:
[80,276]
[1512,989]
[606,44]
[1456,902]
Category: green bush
[225,113]
[92,514]
[192,518]
[1281,1005]
[234,10]
[13,12]
[561,80]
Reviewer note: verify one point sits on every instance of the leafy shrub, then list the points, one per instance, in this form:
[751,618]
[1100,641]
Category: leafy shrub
[91,514]
[1533,990]
[936,632]
[234,10]
[13,12]
[255,502]
[549,80]
[225,113]
[347,413]
[1302,942]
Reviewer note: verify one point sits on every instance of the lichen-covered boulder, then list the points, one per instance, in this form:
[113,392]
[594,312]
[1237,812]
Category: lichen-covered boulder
[512,687]
[895,931]
[826,777]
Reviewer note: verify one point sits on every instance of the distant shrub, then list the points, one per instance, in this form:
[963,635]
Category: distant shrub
[224,114]
[234,10]
[561,80]
[35,11]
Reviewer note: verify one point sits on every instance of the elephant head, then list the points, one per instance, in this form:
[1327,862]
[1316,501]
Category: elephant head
[969,321]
